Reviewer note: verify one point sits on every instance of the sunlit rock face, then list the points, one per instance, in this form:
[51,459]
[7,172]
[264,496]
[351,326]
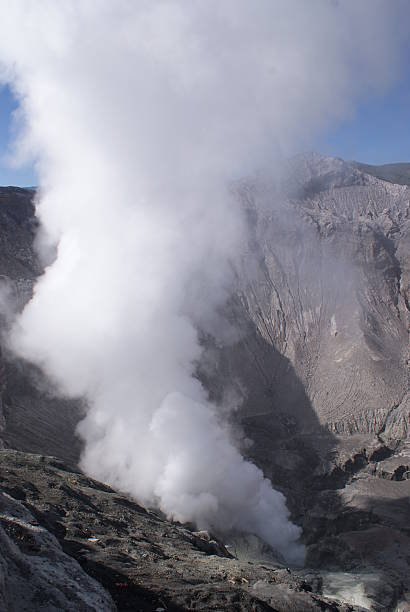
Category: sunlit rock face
[318,321]
[324,281]
[320,363]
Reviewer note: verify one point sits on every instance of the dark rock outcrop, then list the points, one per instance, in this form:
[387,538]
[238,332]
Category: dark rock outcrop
[32,418]
[35,574]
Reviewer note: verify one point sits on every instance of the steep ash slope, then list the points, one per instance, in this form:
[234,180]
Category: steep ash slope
[325,281]
[31,417]
[321,362]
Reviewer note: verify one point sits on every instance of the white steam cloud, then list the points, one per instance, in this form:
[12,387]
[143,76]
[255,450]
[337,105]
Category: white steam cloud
[139,114]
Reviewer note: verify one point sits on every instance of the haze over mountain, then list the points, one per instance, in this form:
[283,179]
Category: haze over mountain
[317,358]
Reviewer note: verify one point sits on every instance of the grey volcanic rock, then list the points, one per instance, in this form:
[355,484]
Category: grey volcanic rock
[144,561]
[325,282]
[18,261]
[35,574]
[321,365]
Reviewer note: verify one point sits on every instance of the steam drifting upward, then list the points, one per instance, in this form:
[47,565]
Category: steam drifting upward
[139,114]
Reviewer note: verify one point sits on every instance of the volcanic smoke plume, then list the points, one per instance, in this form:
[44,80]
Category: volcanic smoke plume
[139,115]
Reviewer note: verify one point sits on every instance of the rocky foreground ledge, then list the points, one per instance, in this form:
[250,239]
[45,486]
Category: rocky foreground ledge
[71,543]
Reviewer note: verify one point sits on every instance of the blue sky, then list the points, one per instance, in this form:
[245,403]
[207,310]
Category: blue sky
[378,133]
[23,177]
